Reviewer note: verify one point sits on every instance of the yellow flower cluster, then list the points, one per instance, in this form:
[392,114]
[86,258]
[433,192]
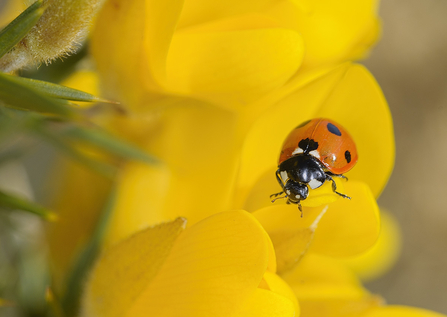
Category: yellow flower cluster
[212,88]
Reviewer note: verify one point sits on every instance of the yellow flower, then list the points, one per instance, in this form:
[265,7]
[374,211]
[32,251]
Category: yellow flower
[208,164]
[381,257]
[229,55]
[221,266]
[214,91]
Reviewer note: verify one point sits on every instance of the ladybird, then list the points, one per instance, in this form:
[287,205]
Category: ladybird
[314,152]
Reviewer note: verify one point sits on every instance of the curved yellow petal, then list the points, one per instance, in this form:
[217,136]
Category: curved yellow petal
[347,94]
[290,233]
[383,254]
[195,143]
[199,11]
[123,273]
[232,68]
[337,31]
[265,303]
[321,277]
[130,42]
[213,269]
[343,228]
[324,287]
[351,226]
[79,208]
[279,286]
[398,311]
[261,149]
[358,104]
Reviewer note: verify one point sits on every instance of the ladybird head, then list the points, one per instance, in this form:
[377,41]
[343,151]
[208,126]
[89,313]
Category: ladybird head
[296,191]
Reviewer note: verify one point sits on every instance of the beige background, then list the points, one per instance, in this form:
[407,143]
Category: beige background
[410,63]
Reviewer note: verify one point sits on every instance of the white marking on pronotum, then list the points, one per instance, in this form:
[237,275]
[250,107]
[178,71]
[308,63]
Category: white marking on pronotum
[315,153]
[314,183]
[297,196]
[284,176]
[298,150]
[288,192]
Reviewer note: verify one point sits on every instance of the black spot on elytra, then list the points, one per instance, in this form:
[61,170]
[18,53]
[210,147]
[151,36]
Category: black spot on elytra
[308,145]
[333,129]
[348,156]
[303,124]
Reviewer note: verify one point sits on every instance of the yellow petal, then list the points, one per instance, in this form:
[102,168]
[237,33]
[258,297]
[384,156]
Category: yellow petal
[123,273]
[349,95]
[279,286]
[264,303]
[200,11]
[195,179]
[398,311]
[343,228]
[232,68]
[350,226]
[358,104]
[291,235]
[318,277]
[382,256]
[337,31]
[79,208]
[130,43]
[213,268]
[324,287]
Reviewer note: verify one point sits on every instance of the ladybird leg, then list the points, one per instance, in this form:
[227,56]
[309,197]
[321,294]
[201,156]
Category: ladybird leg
[278,178]
[277,194]
[339,175]
[334,187]
[296,203]
[279,198]
[300,208]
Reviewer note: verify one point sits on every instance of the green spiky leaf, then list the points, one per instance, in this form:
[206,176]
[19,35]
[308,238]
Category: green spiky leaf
[57,91]
[107,142]
[10,201]
[86,258]
[15,31]
[14,94]
[64,145]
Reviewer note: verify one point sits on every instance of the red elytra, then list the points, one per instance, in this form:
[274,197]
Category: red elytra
[325,139]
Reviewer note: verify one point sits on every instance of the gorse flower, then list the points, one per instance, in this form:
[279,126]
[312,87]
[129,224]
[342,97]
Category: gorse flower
[212,90]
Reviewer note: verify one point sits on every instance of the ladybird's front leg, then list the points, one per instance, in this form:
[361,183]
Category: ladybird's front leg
[279,179]
[277,194]
[334,187]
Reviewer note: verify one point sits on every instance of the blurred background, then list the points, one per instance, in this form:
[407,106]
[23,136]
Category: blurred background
[410,64]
